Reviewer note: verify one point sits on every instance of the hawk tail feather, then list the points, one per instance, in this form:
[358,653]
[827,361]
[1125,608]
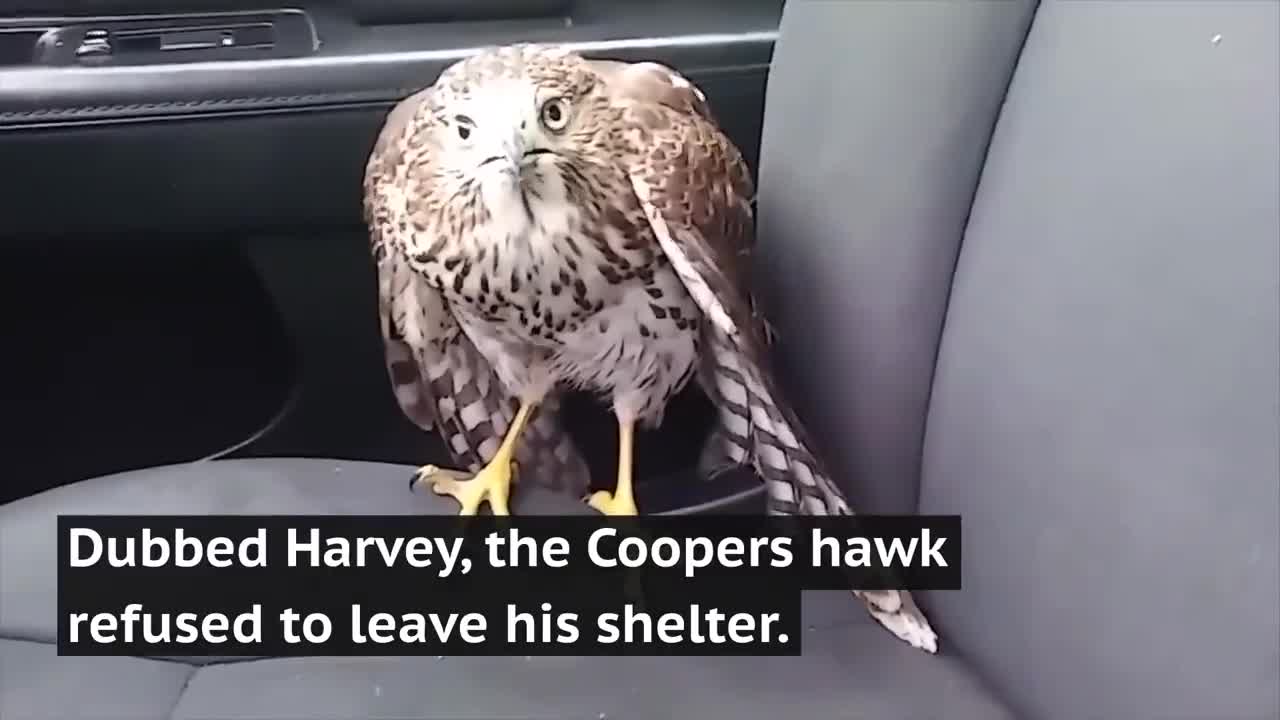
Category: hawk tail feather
[549,451]
[720,453]
[754,428]
[459,398]
[406,382]
[475,413]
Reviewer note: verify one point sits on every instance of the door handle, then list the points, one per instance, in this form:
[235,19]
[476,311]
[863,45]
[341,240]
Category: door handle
[141,40]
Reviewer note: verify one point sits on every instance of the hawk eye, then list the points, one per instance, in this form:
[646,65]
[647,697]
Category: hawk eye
[464,125]
[555,114]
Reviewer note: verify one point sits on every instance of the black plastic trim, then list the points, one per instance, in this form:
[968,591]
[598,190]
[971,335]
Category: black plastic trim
[265,158]
[230,168]
[394,12]
[138,40]
[360,65]
[274,146]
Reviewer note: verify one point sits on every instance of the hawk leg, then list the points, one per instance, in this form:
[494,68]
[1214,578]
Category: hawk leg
[492,482]
[621,501]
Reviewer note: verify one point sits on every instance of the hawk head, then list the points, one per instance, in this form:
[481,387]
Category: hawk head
[512,126]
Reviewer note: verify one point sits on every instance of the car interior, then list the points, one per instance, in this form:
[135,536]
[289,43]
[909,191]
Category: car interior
[1022,259]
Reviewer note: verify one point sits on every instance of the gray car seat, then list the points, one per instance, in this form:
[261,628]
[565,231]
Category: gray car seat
[1025,265]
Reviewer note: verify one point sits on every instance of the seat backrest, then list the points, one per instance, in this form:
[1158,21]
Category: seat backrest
[876,123]
[1050,305]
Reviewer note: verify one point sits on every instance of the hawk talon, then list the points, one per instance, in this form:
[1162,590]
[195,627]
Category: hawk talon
[491,483]
[421,474]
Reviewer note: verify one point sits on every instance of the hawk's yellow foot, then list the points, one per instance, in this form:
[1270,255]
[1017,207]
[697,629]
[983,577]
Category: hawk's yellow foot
[622,501]
[622,504]
[492,482]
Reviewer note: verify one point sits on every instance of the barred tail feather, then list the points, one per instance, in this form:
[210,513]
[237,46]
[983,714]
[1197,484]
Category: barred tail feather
[548,451]
[753,425]
[720,454]
[706,241]
[406,382]
[754,428]
[723,449]
[899,614]
[474,412]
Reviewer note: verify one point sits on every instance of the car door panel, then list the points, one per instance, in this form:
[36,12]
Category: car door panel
[188,242]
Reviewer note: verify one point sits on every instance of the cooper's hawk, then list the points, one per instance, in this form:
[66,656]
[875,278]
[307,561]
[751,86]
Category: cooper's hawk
[542,221]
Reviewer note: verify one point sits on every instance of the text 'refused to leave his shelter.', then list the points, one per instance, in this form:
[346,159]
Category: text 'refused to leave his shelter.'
[403,585]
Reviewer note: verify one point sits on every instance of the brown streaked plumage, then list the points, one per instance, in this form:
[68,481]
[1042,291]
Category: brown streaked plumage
[542,221]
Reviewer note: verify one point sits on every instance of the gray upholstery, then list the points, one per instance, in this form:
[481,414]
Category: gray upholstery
[36,683]
[877,119]
[1036,285]
[849,669]
[1105,408]
[1104,412]
[28,534]
[850,665]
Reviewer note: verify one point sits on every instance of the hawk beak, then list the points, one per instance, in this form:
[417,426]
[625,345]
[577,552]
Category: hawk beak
[512,154]
[514,148]
[524,139]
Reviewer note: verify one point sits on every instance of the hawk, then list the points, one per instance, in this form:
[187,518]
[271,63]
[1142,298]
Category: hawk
[542,221]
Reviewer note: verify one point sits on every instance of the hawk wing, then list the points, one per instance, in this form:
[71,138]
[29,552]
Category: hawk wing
[697,193]
[649,85]
[441,381]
